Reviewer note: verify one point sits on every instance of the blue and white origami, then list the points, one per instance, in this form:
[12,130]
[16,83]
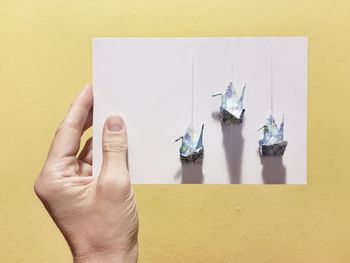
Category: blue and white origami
[272,141]
[192,148]
[231,109]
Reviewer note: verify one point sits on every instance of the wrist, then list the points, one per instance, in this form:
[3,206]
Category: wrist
[129,256]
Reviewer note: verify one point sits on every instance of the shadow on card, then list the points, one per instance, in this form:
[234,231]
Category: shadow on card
[273,170]
[191,172]
[233,143]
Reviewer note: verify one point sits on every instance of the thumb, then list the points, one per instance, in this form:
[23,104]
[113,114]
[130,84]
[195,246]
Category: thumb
[115,145]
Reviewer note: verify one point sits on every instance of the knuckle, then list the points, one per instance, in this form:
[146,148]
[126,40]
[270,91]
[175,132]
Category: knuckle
[61,129]
[114,146]
[66,125]
[58,130]
[40,188]
[114,186]
[43,186]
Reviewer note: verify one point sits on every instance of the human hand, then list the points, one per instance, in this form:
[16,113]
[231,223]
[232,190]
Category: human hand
[97,215]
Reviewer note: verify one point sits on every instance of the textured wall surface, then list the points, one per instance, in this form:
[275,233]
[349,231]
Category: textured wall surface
[45,58]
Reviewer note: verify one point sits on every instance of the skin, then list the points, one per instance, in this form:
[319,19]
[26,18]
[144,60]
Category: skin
[97,215]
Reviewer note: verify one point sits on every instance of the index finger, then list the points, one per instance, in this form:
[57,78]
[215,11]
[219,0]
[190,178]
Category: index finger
[67,138]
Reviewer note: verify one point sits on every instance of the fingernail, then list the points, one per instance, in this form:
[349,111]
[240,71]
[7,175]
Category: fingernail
[115,124]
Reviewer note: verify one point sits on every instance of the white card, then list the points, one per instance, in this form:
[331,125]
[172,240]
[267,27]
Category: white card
[149,82]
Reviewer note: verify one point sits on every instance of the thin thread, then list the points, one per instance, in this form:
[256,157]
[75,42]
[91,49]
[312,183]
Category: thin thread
[231,73]
[192,81]
[271,79]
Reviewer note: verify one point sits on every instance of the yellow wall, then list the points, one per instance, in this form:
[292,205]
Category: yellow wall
[45,58]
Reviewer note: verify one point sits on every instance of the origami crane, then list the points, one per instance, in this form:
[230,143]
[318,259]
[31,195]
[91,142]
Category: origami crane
[192,148]
[231,108]
[272,142]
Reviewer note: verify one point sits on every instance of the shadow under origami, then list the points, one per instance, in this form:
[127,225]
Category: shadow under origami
[233,143]
[273,170]
[191,172]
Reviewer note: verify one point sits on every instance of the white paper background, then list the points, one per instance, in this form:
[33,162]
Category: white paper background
[148,82]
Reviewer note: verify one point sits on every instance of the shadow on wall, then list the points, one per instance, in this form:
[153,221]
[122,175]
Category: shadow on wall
[273,170]
[191,172]
[233,144]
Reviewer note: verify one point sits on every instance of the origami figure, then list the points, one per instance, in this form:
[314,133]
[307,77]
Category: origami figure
[272,142]
[231,108]
[192,148]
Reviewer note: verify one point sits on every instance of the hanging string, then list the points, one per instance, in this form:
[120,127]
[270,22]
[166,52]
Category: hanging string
[192,81]
[231,73]
[271,80]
